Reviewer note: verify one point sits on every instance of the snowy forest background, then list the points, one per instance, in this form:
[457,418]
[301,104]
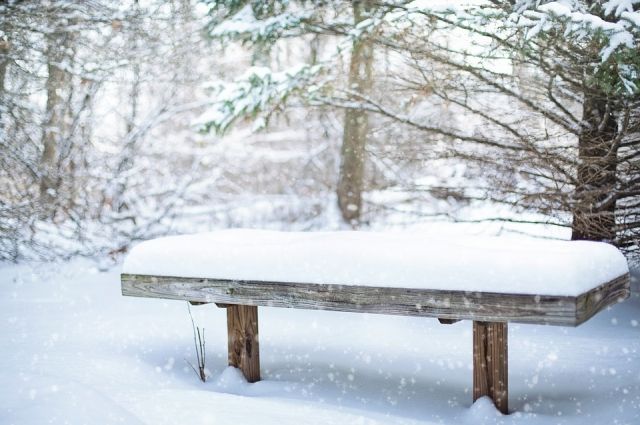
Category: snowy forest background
[121,121]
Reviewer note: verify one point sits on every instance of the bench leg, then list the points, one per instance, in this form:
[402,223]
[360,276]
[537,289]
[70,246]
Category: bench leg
[490,371]
[242,329]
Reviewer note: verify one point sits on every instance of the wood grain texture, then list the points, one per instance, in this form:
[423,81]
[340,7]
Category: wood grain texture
[452,305]
[490,363]
[601,297]
[242,331]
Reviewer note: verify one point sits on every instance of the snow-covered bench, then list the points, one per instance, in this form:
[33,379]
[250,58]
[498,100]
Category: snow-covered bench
[491,281]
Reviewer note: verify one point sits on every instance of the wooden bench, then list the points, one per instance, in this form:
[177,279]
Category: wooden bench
[377,273]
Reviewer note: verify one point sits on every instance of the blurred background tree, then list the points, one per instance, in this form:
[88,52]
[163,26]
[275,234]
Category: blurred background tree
[344,114]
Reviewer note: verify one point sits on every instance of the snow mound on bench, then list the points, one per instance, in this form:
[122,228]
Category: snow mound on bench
[395,259]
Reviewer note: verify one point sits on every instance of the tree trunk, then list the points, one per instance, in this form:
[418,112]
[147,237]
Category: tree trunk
[356,125]
[595,199]
[4,64]
[5,47]
[54,127]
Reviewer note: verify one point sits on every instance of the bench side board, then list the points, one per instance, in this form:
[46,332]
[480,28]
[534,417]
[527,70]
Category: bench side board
[451,305]
[590,303]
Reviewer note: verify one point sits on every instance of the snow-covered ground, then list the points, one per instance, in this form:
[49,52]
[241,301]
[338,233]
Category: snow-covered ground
[74,351]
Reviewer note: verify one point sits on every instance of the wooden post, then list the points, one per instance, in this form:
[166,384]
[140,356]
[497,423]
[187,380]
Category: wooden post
[490,371]
[242,329]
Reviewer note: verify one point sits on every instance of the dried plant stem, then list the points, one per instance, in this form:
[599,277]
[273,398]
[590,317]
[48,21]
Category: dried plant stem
[199,344]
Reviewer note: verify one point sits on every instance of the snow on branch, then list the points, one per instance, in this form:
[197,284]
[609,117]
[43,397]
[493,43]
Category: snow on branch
[256,94]
[614,24]
[613,27]
[245,26]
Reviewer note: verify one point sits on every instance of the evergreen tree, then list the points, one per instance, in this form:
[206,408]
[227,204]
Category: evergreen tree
[543,95]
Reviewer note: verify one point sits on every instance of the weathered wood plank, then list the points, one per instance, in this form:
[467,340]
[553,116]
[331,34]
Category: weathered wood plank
[601,297]
[490,363]
[452,305]
[242,331]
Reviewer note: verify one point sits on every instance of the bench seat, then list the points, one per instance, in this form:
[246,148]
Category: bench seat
[490,281]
